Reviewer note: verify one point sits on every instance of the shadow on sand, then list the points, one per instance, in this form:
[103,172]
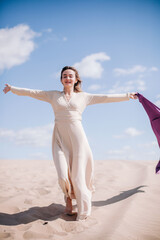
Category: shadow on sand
[120,197]
[54,211]
[48,213]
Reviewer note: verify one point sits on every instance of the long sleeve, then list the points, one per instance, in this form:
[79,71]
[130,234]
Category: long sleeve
[37,94]
[106,98]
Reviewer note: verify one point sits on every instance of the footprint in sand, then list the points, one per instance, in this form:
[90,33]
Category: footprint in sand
[35,235]
[77,227]
[24,228]
[28,201]
[43,191]
[5,235]
[54,229]
[13,209]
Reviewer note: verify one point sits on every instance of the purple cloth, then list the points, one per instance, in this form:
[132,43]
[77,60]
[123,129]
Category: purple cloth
[158,168]
[154,115]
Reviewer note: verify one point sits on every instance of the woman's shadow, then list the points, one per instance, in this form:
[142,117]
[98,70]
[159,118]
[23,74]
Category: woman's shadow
[54,211]
[119,197]
[47,213]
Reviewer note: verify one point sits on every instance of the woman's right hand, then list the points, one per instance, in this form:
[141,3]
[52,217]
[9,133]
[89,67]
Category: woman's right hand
[7,88]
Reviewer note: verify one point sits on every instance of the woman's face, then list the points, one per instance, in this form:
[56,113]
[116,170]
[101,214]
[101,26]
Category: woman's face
[68,78]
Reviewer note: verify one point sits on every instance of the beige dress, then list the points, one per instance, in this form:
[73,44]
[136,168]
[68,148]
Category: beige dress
[71,152]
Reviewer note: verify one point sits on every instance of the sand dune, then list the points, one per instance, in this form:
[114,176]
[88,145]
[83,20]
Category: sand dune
[126,204]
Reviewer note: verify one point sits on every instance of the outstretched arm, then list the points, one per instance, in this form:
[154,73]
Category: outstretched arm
[37,94]
[108,98]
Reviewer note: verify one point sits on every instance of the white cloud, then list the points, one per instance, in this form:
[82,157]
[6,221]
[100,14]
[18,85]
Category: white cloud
[148,144]
[123,150]
[7,133]
[37,136]
[126,152]
[129,86]
[16,45]
[90,66]
[143,151]
[153,69]
[140,84]
[94,87]
[135,69]
[129,71]
[133,132]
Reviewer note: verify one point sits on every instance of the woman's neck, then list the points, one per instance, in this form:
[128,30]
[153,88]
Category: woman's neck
[68,91]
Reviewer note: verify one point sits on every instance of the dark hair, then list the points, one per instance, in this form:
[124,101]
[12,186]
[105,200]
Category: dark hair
[77,85]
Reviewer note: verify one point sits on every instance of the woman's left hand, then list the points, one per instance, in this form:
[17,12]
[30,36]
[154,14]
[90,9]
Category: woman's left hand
[133,95]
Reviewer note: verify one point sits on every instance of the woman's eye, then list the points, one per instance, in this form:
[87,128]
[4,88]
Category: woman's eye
[68,76]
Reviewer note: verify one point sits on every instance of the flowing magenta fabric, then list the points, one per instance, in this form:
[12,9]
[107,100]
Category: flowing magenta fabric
[154,115]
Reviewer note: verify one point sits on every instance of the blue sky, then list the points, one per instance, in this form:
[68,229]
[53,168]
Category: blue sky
[114,45]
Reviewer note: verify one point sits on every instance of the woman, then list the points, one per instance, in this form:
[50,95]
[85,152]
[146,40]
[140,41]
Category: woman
[71,152]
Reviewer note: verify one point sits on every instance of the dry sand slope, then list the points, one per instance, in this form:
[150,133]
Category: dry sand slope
[126,204]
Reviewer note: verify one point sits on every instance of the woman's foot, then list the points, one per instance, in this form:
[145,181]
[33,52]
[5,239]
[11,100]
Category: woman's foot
[69,208]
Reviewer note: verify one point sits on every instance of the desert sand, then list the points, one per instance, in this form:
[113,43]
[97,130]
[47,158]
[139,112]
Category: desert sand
[125,205]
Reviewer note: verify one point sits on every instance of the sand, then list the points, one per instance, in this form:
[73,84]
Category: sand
[126,204]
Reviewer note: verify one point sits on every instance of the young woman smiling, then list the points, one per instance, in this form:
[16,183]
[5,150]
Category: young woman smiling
[71,151]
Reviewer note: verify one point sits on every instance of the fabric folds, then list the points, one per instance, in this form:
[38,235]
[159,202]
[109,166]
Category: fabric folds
[153,113]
